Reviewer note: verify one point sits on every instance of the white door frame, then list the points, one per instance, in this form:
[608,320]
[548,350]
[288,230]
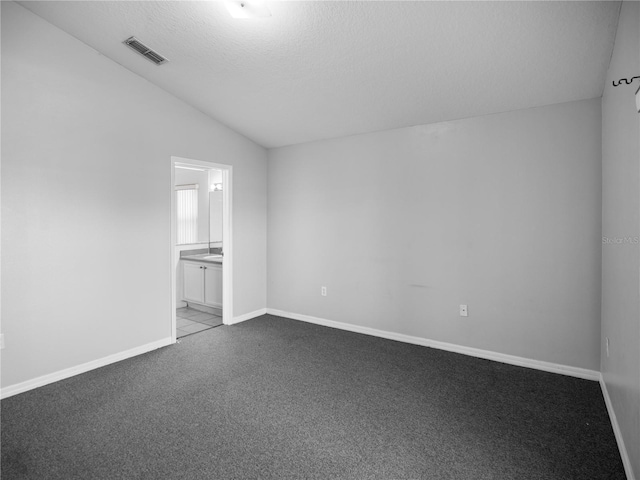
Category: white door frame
[227,239]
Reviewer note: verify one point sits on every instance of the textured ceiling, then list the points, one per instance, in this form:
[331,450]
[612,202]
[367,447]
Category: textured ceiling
[317,70]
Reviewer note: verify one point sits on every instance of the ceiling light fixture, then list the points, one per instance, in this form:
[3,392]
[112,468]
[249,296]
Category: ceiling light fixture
[248,8]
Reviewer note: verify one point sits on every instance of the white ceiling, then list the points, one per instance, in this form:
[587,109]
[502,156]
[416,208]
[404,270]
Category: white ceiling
[317,69]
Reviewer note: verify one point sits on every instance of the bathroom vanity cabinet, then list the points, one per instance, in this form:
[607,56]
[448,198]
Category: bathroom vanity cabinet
[202,283]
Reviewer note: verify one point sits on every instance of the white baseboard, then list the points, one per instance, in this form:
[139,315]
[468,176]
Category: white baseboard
[248,316]
[616,430]
[78,369]
[101,362]
[473,352]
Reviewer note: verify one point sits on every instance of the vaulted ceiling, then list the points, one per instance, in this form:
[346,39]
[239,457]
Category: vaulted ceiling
[324,69]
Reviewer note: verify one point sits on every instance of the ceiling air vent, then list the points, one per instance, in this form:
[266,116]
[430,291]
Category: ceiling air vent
[145,51]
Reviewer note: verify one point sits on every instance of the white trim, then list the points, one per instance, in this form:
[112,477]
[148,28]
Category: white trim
[450,347]
[227,244]
[248,316]
[227,238]
[628,469]
[85,367]
[173,239]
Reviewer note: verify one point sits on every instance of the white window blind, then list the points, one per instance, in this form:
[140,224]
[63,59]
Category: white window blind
[187,213]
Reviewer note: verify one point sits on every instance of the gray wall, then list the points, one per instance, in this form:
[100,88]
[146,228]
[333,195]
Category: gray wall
[498,212]
[86,201]
[621,220]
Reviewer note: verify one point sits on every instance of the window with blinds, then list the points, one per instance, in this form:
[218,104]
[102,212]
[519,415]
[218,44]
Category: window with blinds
[187,213]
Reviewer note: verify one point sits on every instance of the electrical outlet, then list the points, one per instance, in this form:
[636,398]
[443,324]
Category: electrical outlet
[463,311]
[1,340]
[323,291]
[607,345]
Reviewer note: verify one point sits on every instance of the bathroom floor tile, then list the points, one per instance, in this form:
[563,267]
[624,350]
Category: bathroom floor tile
[196,327]
[200,317]
[190,321]
[187,312]
[214,322]
[183,322]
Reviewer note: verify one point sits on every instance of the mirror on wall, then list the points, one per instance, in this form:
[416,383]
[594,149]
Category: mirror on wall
[198,205]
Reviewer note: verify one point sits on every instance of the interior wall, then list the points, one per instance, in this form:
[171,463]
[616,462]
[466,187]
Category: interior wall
[498,212]
[621,231]
[86,201]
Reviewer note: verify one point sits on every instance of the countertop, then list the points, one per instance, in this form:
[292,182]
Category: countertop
[204,257]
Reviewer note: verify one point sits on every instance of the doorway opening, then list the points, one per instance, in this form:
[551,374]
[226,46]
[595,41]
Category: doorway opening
[201,246]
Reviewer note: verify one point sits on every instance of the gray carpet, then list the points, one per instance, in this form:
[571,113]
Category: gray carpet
[273,398]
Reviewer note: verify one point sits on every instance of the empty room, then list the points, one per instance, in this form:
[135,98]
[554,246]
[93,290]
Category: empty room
[320,240]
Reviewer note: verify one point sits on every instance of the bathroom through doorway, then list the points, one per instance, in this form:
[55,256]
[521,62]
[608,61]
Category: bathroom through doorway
[201,246]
